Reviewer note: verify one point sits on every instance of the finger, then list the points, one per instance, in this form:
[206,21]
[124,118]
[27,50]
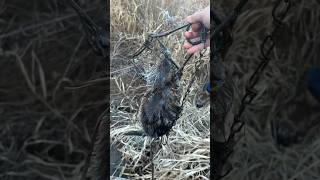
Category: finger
[196,17]
[195,48]
[190,34]
[187,45]
[195,27]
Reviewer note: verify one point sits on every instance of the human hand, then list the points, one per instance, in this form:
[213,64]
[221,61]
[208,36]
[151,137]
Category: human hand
[203,17]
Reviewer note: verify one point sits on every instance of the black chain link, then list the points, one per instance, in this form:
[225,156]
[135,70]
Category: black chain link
[196,71]
[279,12]
[266,48]
[152,36]
[164,50]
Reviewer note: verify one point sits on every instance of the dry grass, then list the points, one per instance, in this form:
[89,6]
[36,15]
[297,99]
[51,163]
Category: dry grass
[187,151]
[52,91]
[45,118]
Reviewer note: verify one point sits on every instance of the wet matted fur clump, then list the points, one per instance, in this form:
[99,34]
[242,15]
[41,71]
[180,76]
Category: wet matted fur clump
[160,107]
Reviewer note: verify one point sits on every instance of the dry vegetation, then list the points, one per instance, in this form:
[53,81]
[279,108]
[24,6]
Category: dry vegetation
[52,89]
[186,153]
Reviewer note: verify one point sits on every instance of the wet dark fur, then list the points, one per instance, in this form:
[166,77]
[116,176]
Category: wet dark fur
[160,107]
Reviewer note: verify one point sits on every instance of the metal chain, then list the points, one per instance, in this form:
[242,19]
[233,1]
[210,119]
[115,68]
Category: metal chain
[151,157]
[97,39]
[164,50]
[266,49]
[196,70]
[152,36]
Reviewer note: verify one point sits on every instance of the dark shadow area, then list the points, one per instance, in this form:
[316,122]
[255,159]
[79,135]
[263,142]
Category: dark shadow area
[52,88]
[279,138]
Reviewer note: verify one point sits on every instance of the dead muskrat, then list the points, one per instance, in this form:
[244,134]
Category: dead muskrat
[160,107]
